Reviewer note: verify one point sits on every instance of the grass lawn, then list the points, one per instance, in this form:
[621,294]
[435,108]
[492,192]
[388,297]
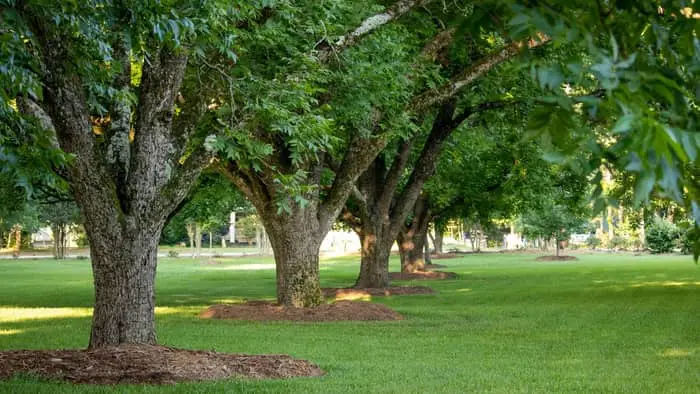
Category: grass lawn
[605,323]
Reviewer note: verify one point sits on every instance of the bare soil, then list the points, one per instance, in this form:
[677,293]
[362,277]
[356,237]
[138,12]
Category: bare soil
[422,275]
[337,311]
[147,364]
[350,293]
[556,258]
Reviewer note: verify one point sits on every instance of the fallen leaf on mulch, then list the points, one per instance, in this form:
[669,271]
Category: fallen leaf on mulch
[351,293]
[556,258]
[422,275]
[149,364]
[338,311]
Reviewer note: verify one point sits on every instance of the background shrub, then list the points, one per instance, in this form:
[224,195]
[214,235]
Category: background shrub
[661,236]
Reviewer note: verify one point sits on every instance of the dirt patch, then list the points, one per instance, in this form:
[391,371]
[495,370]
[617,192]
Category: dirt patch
[146,364]
[428,267]
[556,258]
[337,311]
[422,275]
[354,294]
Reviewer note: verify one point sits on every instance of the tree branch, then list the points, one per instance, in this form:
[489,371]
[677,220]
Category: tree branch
[393,176]
[425,165]
[359,155]
[367,26]
[437,96]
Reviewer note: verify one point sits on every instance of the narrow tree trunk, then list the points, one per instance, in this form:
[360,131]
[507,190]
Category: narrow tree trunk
[124,277]
[296,242]
[211,238]
[190,235]
[198,239]
[428,258]
[18,240]
[438,241]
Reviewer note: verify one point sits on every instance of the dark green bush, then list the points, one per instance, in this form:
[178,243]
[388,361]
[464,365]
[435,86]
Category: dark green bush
[661,236]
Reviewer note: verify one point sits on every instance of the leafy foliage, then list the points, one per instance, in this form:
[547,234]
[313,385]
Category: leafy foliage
[661,236]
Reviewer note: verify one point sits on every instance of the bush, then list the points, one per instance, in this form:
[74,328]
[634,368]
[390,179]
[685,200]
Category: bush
[619,242]
[593,242]
[661,236]
[689,239]
[173,254]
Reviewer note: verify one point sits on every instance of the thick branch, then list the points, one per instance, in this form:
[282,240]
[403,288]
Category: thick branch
[359,155]
[442,40]
[367,26]
[425,166]
[118,153]
[156,152]
[438,96]
[393,176]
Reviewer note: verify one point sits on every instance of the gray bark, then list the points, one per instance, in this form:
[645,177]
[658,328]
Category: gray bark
[412,238]
[125,190]
[295,241]
[124,278]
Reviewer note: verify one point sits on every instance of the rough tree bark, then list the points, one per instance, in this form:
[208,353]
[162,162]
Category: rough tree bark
[379,207]
[125,190]
[296,235]
[412,237]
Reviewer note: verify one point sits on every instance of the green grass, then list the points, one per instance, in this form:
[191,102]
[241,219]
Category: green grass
[606,323]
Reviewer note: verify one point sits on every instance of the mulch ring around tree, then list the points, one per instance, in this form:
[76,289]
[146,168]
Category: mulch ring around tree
[422,275]
[556,258]
[267,311]
[350,293]
[149,364]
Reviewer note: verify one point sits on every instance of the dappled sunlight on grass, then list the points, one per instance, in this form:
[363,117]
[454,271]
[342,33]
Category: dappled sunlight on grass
[14,315]
[667,283]
[243,267]
[676,353]
[353,296]
[463,290]
[177,310]
[228,301]
[10,331]
[22,314]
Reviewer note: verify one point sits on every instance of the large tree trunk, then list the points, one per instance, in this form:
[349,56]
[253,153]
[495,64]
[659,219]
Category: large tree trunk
[124,276]
[374,262]
[296,241]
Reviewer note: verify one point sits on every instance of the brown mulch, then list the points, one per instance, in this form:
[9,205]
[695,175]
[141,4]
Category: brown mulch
[433,266]
[556,258]
[337,311]
[422,275]
[350,293]
[149,364]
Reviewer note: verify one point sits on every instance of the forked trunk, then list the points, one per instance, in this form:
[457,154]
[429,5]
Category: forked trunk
[124,276]
[411,247]
[375,253]
[295,243]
